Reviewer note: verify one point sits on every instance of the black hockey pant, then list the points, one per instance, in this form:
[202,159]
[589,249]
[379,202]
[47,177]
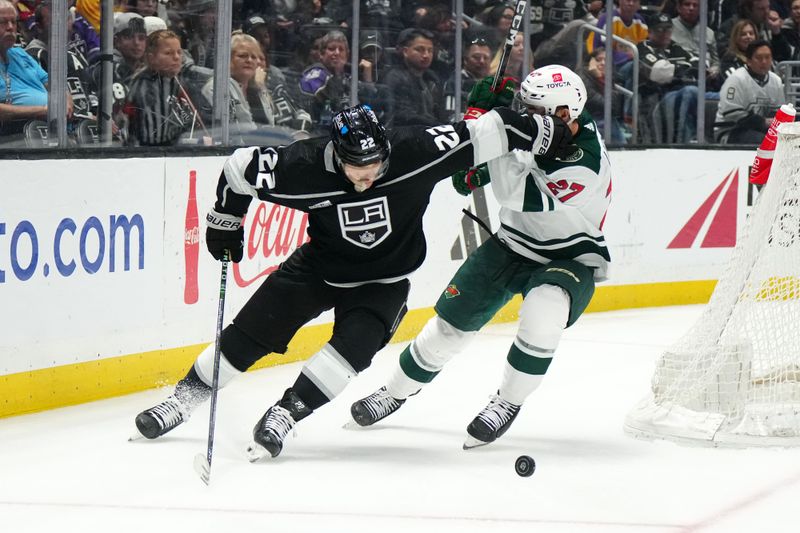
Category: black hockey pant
[365,317]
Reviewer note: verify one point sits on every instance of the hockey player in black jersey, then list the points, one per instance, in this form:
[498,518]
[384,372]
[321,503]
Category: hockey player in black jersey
[365,192]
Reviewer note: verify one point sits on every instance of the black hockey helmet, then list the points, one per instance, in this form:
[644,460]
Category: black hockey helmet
[358,136]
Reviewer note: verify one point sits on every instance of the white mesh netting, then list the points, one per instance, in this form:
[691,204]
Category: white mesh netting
[734,377]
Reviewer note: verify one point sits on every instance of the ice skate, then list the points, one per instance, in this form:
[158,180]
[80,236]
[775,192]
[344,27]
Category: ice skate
[491,422]
[189,393]
[373,408]
[162,418]
[271,430]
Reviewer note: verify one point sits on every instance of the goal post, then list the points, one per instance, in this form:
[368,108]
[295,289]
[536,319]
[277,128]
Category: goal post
[734,377]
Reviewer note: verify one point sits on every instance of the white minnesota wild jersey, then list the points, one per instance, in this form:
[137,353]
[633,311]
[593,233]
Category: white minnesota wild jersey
[555,209]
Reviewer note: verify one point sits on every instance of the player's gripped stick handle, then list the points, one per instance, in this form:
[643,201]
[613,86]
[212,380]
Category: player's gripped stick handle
[516,22]
[759,172]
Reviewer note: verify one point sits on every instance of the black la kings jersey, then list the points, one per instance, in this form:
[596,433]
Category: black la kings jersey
[376,235]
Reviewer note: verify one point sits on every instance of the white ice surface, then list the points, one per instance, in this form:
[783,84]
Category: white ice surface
[73,470]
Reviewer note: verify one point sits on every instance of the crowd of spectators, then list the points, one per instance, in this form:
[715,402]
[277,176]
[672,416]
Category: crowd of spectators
[291,64]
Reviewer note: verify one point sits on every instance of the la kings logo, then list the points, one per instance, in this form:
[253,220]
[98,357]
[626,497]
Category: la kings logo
[365,224]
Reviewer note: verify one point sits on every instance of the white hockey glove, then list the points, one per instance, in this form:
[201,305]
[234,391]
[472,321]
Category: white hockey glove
[553,139]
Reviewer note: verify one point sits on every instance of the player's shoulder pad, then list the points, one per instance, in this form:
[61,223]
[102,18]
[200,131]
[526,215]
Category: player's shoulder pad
[241,169]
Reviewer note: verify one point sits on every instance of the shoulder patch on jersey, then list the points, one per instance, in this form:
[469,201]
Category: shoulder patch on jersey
[574,157]
[451,291]
[589,126]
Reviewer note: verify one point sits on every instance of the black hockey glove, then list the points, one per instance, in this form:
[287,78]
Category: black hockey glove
[554,138]
[224,232]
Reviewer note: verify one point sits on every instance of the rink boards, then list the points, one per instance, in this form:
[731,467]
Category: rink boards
[107,289]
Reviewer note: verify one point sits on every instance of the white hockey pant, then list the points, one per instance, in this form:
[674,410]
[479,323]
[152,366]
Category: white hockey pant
[543,317]
[435,345]
[204,366]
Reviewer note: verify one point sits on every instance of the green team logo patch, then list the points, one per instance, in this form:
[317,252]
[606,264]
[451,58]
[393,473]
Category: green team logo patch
[451,292]
[566,272]
[574,158]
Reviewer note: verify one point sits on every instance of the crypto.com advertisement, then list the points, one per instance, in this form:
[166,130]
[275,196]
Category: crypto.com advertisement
[80,260]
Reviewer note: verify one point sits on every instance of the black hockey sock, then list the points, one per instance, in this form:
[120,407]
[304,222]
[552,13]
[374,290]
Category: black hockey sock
[309,393]
[191,390]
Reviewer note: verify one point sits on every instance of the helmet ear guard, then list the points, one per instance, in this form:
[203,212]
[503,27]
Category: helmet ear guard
[552,87]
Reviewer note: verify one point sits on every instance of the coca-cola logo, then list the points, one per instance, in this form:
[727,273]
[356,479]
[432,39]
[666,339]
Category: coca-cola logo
[272,233]
[192,235]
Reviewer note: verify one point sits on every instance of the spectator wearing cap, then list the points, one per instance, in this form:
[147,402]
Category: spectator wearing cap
[326,85]
[686,33]
[128,57]
[477,61]
[749,98]
[152,23]
[667,85]
[130,36]
[370,52]
[475,65]
[373,72]
[376,15]
[417,96]
[258,28]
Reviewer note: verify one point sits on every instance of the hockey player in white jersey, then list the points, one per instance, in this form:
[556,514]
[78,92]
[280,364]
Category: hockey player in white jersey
[550,249]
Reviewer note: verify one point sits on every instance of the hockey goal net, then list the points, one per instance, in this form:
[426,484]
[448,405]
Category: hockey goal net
[734,377]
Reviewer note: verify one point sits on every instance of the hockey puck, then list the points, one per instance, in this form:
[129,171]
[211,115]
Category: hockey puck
[525,465]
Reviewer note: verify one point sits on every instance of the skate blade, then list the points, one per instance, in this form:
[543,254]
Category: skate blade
[256,452]
[202,468]
[353,425]
[472,442]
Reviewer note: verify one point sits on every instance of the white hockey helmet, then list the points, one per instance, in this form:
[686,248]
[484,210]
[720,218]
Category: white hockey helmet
[552,87]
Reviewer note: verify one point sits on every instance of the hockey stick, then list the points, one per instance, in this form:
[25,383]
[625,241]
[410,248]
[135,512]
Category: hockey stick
[203,464]
[519,11]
